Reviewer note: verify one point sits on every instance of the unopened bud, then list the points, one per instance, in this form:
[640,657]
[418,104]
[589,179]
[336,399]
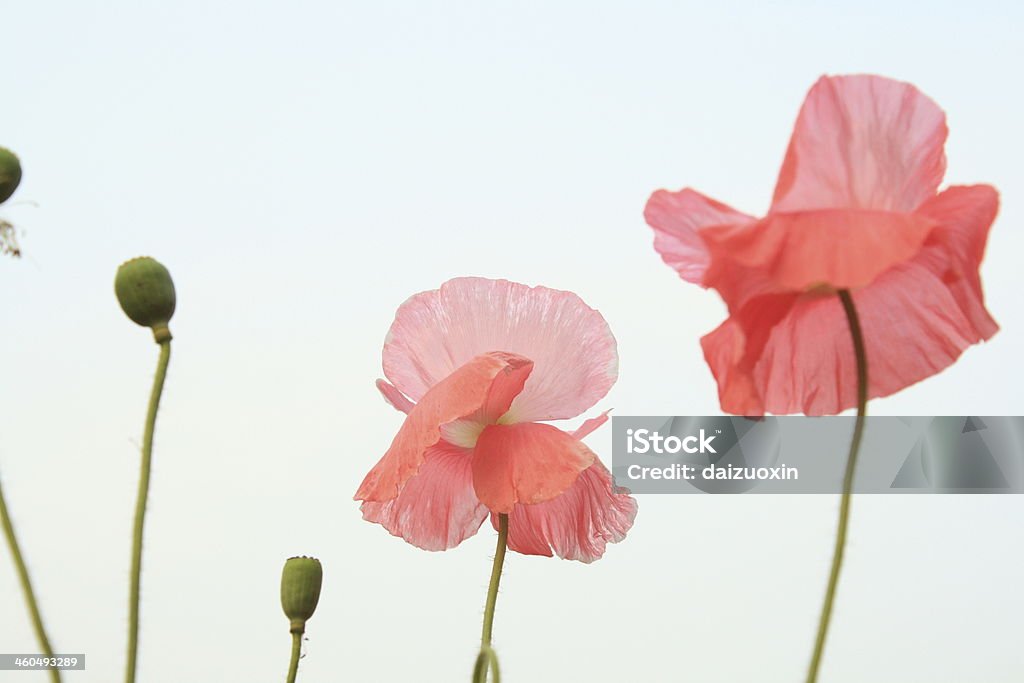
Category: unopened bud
[146,293]
[300,590]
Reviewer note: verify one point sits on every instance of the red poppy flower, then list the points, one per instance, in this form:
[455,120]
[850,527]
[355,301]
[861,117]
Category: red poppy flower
[479,366]
[856,207]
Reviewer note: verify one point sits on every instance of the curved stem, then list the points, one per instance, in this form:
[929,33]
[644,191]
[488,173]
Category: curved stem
[293,666]
[851,464]
[140,509]
[492,589]
[26,586]
[487,660]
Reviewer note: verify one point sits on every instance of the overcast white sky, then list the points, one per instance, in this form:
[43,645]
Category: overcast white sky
[302,169]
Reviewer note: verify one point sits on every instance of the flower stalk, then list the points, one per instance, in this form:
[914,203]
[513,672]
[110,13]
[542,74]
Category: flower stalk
[146,294]
[487,660]
[848,478]
[293,662]
[26,586]
[140,510]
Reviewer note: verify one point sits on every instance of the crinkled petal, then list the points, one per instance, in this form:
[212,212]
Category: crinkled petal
[576,525]
[956,247]
[838,248]
[795,354]
[465,391]
[677,218]
[863,142]
[525,462]
[681,220]
[394,397]
[573,350]
[436,509]
[734,348]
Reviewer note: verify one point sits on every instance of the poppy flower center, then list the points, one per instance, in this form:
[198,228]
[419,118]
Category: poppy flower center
[465,431]
[462,432]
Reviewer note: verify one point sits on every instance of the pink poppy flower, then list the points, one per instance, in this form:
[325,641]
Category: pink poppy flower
[478,366]
[856,207]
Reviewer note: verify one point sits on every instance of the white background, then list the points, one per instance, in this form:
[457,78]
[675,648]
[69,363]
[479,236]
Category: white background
[302,170]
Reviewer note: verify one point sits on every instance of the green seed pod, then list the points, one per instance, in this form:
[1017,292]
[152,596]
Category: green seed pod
[10,174]
[300,590]
[146,293]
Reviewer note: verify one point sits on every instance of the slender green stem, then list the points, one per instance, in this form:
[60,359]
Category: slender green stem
[851,464]
[26,586]
[492,589]
[487,660]
[140,509]
[293,666]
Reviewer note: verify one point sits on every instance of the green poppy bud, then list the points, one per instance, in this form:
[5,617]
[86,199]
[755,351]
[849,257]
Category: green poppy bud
[300,590]
[10,174]
[146,293]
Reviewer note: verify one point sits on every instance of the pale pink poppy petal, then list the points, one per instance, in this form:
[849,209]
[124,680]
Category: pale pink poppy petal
[590,425]
[863,142]
[394,397]
[798,251]
[436,509]
[955,249]
[576,525]
[463,392]
[573,350]
[677,218]
[796,355]
[525,462]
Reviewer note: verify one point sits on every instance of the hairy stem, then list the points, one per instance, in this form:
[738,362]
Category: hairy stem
[293,665]
[140,509]
[492,589]
[26,586]
[487,659]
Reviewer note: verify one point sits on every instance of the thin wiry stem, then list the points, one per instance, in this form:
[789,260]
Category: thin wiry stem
[851,464]
[26,587]
[488,660]
[140,510]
